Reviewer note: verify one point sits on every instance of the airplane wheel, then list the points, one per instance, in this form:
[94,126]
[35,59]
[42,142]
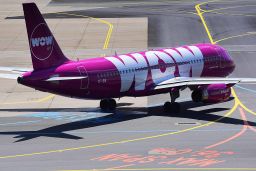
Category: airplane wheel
[176,107]
[108,104]
[171,107]
[167,107]
[196,96]
[104,104]
[112,104]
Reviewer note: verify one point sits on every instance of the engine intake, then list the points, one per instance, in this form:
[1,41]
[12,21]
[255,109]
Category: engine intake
[213,93]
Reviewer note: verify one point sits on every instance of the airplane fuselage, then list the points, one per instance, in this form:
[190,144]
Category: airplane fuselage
[133,74]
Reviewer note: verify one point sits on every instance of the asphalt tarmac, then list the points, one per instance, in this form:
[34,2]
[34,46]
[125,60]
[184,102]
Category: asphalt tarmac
[57,133]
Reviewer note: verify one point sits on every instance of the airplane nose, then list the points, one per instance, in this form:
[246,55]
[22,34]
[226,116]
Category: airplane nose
[228,59]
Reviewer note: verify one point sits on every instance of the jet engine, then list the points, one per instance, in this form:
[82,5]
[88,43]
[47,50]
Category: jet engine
[212,93]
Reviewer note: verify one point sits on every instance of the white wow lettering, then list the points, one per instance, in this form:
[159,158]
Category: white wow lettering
[134,64]
[42,41]
[135,67]
[153,59]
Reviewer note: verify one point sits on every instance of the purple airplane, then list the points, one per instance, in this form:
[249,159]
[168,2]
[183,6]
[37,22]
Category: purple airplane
[203,68]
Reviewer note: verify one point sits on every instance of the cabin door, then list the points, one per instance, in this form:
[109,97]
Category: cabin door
[85,81]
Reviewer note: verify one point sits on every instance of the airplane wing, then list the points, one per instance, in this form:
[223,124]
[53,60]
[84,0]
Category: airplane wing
[187,81]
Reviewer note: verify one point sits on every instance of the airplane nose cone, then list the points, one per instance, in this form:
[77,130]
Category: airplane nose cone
[229,61]
[232,65]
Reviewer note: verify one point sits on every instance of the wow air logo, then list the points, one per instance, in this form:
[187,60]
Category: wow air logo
[41,42]
[150,59]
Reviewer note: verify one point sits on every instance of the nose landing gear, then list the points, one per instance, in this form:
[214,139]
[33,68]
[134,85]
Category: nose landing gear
[108,104]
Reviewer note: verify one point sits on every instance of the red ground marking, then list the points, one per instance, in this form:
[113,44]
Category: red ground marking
[127,158]
[245,127]
[201,153]
[111,157]
[170,151]
[200,158]
[120,167]
[252,128]
[193,162]
[209,154]
[244,118]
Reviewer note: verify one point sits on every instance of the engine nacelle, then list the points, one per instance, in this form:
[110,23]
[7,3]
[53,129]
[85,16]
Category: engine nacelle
[213,93]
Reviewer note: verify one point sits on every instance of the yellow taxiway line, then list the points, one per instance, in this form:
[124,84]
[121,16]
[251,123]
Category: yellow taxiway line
[110,26]
[124,141]
[31,101]
[204,23]
[198,9]
[236,36]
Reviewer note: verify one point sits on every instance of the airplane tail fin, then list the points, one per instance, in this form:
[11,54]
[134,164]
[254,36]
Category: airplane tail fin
[45,51]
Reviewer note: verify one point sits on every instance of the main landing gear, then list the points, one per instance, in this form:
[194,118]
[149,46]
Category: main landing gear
[108,104]
[172,107]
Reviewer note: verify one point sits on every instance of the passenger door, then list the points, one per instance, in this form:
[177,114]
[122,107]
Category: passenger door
[85,81]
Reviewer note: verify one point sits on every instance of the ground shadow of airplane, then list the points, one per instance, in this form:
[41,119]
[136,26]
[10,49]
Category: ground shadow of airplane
[122,114]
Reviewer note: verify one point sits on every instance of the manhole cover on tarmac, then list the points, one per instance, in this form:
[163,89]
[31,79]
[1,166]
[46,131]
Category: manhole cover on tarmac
[187,123]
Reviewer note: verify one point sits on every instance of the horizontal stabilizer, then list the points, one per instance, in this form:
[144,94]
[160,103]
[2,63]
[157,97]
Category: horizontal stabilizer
[15,69]
[9,76]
